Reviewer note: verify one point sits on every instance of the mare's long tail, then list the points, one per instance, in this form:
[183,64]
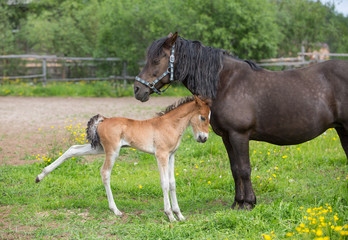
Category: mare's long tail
[92,134]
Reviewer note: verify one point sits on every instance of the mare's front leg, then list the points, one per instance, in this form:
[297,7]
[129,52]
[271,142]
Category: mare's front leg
[110,158]
[343,134]
[172,188]
[162,161]
[237,146]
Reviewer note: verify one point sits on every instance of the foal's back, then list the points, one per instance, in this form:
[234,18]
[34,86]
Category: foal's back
[120,132]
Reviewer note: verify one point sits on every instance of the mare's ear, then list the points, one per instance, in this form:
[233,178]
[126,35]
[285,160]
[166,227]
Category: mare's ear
[171,40]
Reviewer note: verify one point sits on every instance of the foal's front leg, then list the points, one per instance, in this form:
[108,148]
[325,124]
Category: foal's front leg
[162,161]
[110,158]
[172,188]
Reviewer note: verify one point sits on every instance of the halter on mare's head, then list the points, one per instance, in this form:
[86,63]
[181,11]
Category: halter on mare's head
[170,71]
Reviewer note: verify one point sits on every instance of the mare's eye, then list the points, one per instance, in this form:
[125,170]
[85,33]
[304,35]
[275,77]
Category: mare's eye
[203,118]
[156,61]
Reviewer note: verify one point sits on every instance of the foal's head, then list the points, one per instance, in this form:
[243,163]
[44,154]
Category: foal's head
[200,120]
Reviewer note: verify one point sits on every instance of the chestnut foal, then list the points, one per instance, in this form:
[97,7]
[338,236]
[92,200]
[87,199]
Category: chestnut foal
[159,136]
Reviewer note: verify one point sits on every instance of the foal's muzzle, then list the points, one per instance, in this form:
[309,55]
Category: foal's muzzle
[202,137]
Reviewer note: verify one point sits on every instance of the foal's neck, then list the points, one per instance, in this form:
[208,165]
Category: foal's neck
[180,117]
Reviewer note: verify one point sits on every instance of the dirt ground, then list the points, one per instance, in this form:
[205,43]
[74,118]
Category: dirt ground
[30,126]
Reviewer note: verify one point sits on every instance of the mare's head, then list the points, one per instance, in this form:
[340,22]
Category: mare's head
[200,120]
[158,70]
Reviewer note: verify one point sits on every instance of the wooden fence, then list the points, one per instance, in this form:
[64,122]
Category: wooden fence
[45,62]
[300,60]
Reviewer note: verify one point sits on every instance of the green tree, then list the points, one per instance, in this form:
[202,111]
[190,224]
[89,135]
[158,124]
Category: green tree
[246,28]
[7,39]
[67,29]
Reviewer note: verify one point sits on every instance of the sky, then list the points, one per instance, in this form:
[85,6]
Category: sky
[341,6]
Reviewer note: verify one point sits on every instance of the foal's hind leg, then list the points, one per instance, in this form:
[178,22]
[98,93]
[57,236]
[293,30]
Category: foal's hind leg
[110,157]
[73,151]
[343,134]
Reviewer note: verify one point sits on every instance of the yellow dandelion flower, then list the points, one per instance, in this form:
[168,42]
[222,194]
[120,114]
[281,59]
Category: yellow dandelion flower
[285,156]
[209,182]
[289,234]
[267,237]
[319,232]
[338,228]
[140,186]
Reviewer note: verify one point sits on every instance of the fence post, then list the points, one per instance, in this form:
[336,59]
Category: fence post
[303,55]
[44,71]
[124,74]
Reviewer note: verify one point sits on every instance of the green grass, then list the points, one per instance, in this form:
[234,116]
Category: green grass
[77,89]
[293,185]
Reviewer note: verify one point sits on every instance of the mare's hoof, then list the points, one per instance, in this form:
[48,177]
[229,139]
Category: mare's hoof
[242,206]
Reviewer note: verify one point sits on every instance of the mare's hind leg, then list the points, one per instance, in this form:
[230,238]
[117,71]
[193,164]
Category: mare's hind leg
[110,158]
[73,151]
[343,134]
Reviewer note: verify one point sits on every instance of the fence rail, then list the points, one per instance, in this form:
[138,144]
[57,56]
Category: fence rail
[300,59]
[46,62]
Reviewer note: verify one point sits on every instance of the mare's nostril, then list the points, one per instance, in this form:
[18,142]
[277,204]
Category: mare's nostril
[136,89]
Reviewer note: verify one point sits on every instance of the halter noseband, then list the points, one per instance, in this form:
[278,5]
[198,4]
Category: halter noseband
[170,71]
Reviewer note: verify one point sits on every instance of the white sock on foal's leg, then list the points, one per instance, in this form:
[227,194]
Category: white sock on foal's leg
[172,188]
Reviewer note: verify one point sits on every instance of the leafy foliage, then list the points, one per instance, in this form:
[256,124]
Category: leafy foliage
[251,29]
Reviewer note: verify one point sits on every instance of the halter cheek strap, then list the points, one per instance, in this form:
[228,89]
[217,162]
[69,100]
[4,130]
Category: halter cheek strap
[170,71]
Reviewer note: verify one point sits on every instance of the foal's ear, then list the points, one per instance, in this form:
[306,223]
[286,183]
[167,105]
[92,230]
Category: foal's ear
[203,100]
[171,40]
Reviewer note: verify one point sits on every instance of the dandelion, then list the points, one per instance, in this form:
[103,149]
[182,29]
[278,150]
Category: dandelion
[319,232]
[267,237]
[285,156]
[209,182]
[140,187]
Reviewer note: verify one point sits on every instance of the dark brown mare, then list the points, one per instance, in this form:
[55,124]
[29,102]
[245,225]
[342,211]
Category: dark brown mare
[251,103]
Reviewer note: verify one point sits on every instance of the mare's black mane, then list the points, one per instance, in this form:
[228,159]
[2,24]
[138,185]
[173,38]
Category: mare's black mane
[197,66]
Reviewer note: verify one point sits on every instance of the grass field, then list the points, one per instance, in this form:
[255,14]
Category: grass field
[76,89]
[301,192]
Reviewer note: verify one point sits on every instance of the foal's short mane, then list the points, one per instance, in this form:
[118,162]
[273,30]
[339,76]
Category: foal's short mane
[197,66]
[176,105]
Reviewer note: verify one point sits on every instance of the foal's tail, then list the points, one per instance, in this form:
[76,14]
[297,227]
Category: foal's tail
[92,134]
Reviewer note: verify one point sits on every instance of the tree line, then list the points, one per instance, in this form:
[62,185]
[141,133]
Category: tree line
[252,29]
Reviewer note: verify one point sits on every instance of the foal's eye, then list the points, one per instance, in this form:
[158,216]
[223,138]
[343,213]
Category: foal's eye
[203,118]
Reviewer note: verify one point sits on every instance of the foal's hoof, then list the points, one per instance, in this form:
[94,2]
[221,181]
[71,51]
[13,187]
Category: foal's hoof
[37,179]
[242,206]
